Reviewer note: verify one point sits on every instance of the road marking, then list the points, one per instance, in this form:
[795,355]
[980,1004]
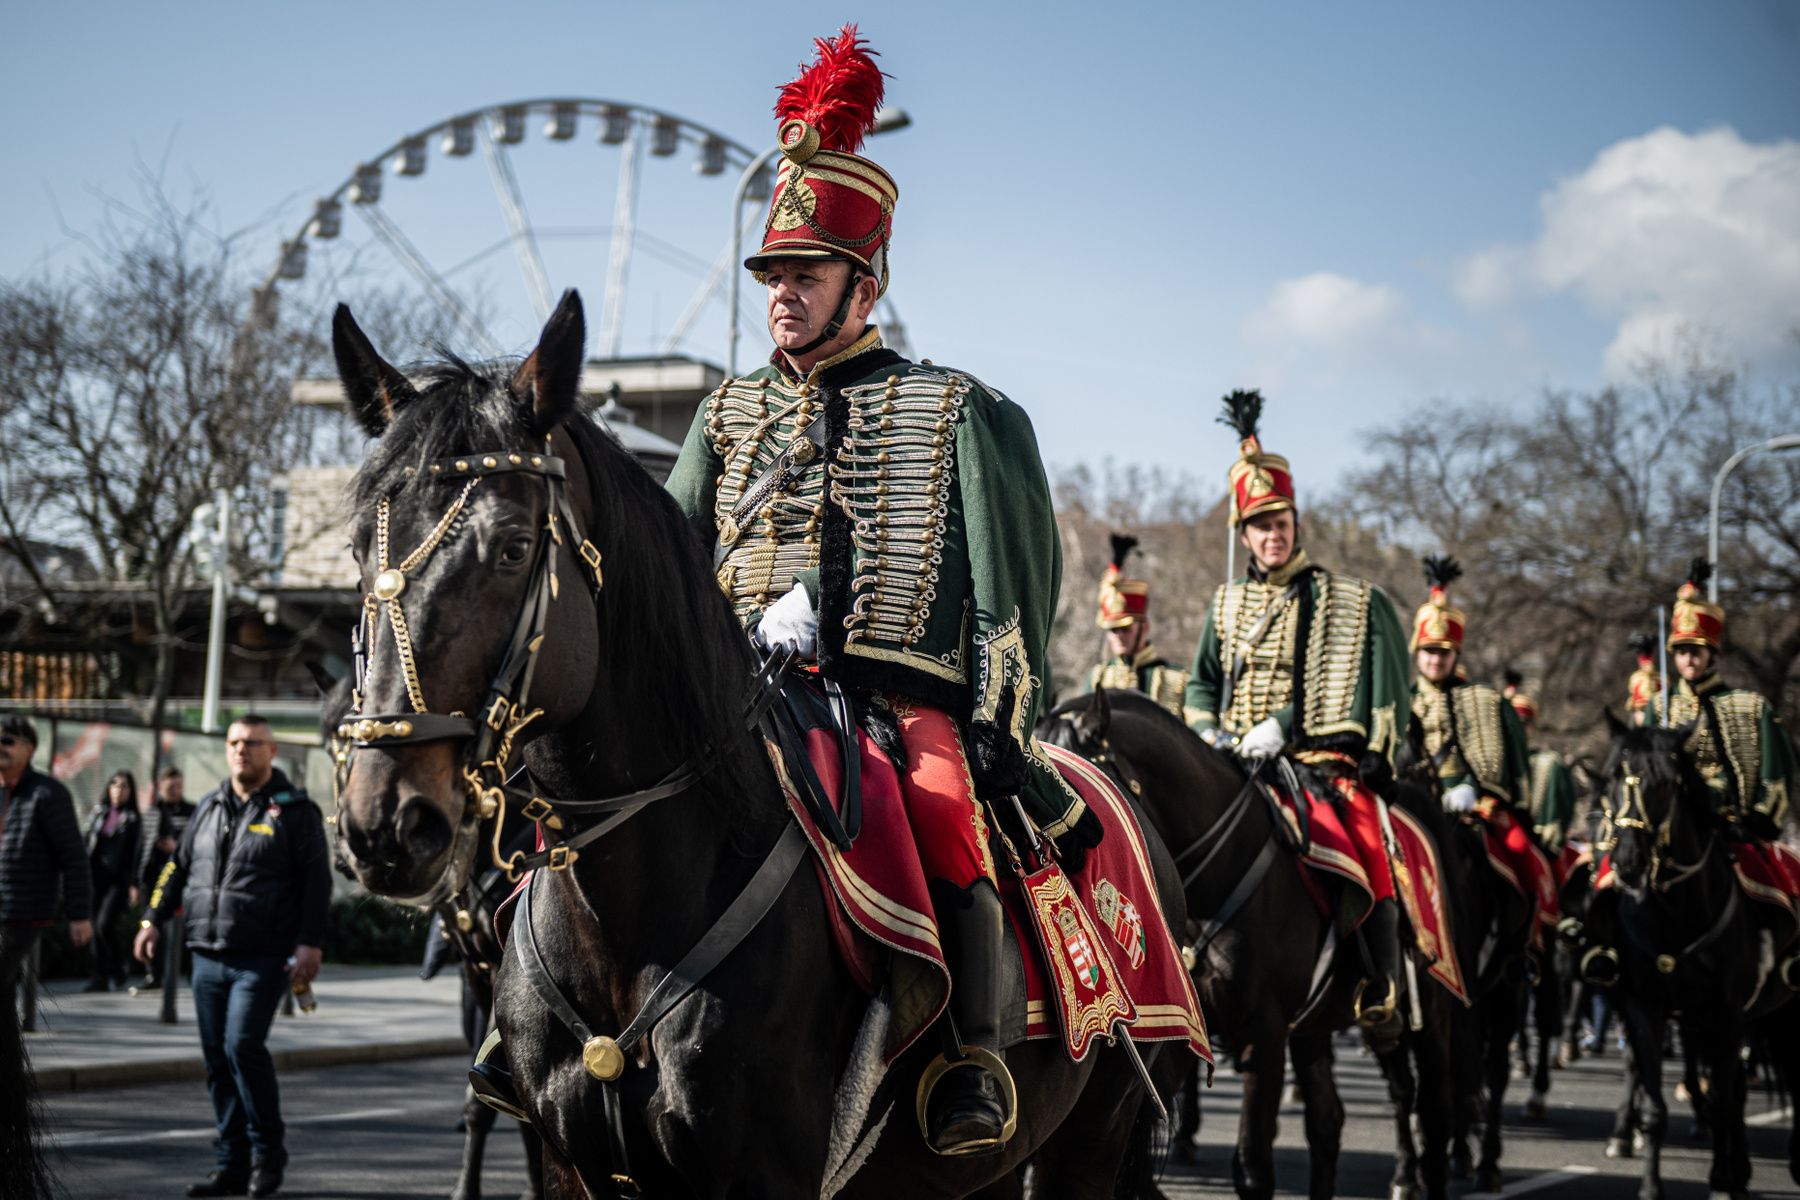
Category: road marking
[1774,1116]
[70,1140]
[1532,1183]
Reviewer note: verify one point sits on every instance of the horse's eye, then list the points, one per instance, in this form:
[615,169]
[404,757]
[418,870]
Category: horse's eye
[515,551]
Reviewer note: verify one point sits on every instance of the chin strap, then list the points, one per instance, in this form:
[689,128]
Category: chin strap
[834,326]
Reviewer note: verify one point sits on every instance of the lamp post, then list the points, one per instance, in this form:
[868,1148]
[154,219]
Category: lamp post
[1787,441]
[886,121]
[215,639]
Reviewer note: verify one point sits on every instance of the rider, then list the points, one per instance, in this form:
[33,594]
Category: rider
[1550,786]
[1739,744]
[1646,682]
[1475,742]
[1125,615]
[1297,658]
[924,576]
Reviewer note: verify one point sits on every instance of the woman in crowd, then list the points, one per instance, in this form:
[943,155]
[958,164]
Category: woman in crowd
[112,840]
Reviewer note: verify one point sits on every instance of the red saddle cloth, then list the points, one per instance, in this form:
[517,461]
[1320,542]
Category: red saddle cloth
[882,898]
[1418,879]
[1516,859]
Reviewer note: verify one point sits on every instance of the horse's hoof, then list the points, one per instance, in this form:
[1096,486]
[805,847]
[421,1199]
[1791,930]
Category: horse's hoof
[1534,1111]
[1638,1142]
[1185,1153]
[1488,1179]
[1618,1147]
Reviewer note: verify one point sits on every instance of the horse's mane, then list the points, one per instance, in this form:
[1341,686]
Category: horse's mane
[665,631]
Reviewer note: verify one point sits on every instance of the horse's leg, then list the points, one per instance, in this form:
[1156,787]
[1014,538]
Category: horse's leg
[1625,1117]
[1436,1092]
[1081,1160]
[1465,1087]
[1503,1009]
[1188,1126]
[1722,1045]
[534,1162]
[1574,999]
[1403,1090]
[1645,1032]
[478,1120]
[1311,1056]
[1253,1161]
[1695,1079]
[1549,1020]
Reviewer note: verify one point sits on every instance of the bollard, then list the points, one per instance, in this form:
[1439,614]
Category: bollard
[171,975]
[28,979]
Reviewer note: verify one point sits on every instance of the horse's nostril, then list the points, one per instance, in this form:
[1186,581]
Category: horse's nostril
[420,827]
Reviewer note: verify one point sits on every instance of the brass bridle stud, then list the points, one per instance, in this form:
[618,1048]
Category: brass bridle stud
[389,584]
[603,1059]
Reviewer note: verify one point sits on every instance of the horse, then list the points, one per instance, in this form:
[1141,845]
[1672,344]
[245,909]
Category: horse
[1253,997]
[617,668]
[1684,940]
[467,920]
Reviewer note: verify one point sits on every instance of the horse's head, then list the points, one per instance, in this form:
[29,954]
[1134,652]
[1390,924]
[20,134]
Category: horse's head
[468,567]
[1647,783]
[1079,724]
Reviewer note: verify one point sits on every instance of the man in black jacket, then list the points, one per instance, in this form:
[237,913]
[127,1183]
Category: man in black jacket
[254,878]
[40,845]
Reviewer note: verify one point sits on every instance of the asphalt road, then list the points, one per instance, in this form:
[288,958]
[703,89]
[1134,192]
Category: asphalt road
[388,1131]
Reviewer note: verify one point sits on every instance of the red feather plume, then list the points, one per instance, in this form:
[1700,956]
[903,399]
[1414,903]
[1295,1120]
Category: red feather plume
[838,95]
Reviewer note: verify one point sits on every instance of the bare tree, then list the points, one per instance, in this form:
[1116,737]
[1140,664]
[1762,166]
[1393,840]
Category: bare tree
[131,390]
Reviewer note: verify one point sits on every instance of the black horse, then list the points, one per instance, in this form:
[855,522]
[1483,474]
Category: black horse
[1684,940]
[639,677]
[467,920]
[1252,997]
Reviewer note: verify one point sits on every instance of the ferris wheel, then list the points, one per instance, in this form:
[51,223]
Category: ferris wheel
[497,132]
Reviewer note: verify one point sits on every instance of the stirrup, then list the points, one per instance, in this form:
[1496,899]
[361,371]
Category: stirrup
[973,1056]
[1375,1015]
[1788,971]
[1601,965]
[492,1085]
[1570,933]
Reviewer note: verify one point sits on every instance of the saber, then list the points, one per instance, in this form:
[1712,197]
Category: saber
[1662,641]
[1412,988]
[1124,1038]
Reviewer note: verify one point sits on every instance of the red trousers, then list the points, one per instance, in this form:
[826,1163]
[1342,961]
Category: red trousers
[947,821]
[1363,823]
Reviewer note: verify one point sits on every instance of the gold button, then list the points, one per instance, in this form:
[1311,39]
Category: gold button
[881,519]
[946,406]
[881,472]
[881,504]
[887,423]
[936,472]
[893,379]
[937,455]
[882,457]
[515,459]
[887,406]
[938,440]
[536,461]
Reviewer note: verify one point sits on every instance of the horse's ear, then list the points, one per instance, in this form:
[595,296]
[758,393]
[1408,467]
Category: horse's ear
[548,384]
[375,389]
[1096,719]
[1615,728]
[322,679]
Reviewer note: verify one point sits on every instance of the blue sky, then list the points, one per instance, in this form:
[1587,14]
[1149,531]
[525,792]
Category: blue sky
[1113,213]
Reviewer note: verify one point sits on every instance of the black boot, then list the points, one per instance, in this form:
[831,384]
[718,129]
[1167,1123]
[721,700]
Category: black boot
[966,1110]
[1378,999]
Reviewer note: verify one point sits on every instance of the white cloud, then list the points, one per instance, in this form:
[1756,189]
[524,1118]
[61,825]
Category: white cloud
[1341,323]
[1665,232]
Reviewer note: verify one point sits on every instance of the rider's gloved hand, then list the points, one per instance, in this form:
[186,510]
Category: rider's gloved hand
[996,760]
[1264,740]
[1376,773]
[1210,735]
[1073,846]
[790,623]
[1760,826]
[1461,798]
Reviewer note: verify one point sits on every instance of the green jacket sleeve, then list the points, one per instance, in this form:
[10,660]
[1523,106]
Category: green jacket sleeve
[695,480]
[1515,757]
[1206,681]
[1390,677]
[1015,568]
[1777,766]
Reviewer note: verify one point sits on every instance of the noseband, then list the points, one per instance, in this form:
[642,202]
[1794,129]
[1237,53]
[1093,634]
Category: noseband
[1630,813]
[505,713]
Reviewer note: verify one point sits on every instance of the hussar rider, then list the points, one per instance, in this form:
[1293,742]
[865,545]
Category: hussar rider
[1294,658]
[1125,615]
[891,521]
[1550,788]
[1646,681]
[1475,740]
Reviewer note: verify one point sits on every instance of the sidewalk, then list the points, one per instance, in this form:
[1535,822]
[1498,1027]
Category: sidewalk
[365,1014]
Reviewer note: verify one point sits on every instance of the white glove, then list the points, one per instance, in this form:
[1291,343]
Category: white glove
[1461,798]
[791,623]
[1264,740]
[1210,735]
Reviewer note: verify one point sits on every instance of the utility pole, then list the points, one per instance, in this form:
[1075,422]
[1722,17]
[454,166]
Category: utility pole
[215,638]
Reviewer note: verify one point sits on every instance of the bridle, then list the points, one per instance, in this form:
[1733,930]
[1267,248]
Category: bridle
[505,713]
[1630,813]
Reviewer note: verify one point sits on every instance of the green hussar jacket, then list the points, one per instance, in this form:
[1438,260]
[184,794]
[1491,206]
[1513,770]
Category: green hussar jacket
[1487,739]
[1739,743]
[1331,667]
[1552,799]
[1145,672]
[926,538]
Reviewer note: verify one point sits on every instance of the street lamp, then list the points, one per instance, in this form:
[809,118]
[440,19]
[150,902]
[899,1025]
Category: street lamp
[886,121]
[1787,441]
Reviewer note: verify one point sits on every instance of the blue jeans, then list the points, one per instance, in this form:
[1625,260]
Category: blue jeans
[235,997]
